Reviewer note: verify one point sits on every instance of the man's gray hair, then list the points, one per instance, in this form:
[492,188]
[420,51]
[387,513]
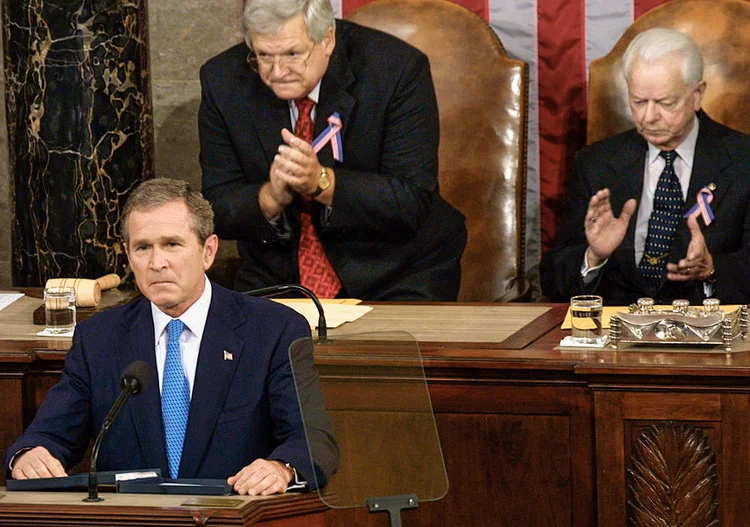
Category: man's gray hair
[265,17]
[655,43]
[156,192]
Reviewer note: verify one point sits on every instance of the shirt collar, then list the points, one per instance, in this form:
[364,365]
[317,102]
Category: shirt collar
[314,95]
[194,318]
[686,149]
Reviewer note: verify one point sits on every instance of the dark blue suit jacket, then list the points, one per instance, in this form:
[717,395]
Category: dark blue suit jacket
[722,157]
[390,236]
[240,410]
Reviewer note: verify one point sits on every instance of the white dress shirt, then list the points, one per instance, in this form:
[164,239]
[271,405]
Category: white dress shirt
[190,340]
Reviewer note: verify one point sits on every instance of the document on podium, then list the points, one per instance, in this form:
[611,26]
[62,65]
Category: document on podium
[337,310]
[81,481]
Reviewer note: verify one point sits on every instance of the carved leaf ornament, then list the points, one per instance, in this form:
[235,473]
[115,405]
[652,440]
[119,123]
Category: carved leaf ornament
[672,481]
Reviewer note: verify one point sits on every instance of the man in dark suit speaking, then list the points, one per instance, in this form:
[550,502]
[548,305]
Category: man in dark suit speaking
[624,234]
[360,216]
[225,404]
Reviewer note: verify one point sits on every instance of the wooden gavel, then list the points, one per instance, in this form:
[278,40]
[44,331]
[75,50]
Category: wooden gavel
[88,292]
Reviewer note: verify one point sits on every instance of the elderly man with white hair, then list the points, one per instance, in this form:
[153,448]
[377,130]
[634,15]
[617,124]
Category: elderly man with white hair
[631,227]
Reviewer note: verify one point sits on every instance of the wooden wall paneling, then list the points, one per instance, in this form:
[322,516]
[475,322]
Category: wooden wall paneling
[621,417]
[11,412]
[610,458]
[36,386]
[734,472]
[516,455]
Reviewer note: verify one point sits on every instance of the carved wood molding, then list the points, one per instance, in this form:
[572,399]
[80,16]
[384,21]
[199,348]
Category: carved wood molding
[673,480]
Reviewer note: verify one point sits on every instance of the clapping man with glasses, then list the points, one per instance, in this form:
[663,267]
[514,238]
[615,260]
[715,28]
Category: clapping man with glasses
[360,216]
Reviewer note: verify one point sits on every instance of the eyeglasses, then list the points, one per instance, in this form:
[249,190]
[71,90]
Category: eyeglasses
[290,60]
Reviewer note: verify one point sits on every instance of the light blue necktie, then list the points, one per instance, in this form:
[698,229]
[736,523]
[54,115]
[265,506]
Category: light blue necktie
[175,398]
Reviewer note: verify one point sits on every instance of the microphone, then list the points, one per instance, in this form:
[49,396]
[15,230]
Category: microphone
[133,381]
[276,290]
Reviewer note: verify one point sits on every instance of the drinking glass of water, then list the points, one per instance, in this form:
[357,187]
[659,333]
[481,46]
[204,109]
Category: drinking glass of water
[586,319]
[60,309]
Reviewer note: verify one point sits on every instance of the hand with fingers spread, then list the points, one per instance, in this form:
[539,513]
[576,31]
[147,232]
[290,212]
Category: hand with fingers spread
[37,463]
[698,263]
[262,477]
[604,231]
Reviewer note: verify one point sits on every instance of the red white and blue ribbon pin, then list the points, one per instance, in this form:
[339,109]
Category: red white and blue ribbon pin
[332,134]
[702,207]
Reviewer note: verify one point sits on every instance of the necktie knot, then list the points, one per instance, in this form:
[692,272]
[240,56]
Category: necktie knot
[175,329]
[305,105]
[669,156]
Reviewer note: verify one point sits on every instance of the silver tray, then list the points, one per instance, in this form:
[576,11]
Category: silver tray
[691,326]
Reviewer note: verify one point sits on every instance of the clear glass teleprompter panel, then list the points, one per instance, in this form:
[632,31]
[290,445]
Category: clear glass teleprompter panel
[375,394]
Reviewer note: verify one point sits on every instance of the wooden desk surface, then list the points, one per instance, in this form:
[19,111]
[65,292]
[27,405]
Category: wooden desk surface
[486,336]
[17,321]
[489,324]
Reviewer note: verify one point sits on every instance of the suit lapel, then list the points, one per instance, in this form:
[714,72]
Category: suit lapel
[629,164]
[144,409]
[709,163]
[267,113]
[334,97]
[213,377]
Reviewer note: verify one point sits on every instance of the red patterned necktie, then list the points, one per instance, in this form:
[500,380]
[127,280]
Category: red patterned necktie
[315,270]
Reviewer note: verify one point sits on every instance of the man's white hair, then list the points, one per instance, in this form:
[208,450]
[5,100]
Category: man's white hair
[656,43]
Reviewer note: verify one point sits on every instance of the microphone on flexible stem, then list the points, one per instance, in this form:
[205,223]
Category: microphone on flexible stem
[133,380]
[276,290]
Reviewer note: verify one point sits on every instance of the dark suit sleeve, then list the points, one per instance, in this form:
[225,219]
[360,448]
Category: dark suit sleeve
[560,271]
[396,199]
[733,267]
[232,193]
[63,423]
[291,432]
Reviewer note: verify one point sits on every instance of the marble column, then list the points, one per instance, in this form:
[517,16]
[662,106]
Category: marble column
[80,131]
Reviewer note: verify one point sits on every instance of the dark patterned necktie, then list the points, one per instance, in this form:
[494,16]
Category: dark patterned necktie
[175,398]
[315,269]
[666,214]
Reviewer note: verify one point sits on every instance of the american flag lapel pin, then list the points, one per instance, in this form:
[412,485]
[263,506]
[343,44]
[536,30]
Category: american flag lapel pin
[228,356]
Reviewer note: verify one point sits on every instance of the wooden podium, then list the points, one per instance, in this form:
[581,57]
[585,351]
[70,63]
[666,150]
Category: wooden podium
[66,509]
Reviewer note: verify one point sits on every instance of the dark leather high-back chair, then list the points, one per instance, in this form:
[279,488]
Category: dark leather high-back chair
[718,27]
[483,102]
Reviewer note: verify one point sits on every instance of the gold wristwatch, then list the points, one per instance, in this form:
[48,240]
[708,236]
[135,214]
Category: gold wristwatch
[324,181]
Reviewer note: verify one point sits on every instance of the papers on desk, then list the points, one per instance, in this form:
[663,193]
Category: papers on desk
[7,299]
[337,311]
